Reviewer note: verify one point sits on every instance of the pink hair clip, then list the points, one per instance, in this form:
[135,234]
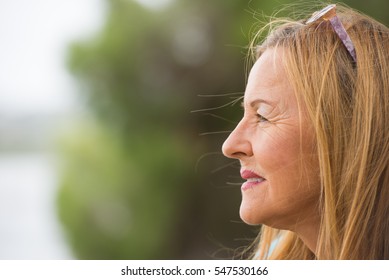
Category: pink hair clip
[329,14]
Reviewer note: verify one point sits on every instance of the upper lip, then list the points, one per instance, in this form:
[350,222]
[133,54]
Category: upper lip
[247,174]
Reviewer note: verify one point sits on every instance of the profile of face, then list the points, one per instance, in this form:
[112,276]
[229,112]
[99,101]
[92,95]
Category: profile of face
[275,144]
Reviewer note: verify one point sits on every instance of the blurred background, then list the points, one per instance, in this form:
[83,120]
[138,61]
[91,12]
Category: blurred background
[112,117]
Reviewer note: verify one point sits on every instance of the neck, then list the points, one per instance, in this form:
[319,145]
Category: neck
[309,233]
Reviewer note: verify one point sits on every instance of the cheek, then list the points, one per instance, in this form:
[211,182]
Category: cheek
[277,154]
[289,165]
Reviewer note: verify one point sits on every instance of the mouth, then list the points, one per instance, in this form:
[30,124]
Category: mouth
[252,179]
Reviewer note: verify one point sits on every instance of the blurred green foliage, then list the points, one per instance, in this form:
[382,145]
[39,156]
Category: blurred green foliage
[139,180]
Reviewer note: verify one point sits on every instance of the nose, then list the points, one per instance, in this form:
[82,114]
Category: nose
[238,145]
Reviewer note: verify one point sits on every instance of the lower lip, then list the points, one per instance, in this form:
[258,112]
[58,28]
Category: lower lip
[250,185]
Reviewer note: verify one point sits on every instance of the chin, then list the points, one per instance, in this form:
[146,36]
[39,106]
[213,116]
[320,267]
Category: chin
[249,216]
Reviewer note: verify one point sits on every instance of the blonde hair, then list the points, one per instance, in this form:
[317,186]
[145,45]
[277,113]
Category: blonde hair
[348,104]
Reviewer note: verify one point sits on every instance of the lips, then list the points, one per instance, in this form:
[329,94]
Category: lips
[252,179]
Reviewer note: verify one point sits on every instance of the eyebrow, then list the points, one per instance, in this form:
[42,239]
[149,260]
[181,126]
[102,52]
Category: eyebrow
[257,101]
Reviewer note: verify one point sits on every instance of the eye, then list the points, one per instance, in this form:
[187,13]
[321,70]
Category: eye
[261,118]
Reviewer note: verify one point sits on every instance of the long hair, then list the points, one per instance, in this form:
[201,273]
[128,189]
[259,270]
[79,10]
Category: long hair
[348,105]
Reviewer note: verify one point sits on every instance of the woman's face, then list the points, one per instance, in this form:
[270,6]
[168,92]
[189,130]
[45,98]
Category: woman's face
[275,145]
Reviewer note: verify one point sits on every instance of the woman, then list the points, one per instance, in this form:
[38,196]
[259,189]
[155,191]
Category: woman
[313,143]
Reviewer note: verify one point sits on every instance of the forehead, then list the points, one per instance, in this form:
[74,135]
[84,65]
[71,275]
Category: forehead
[268,79]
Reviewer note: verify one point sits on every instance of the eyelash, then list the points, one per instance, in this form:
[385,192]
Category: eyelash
[261,118]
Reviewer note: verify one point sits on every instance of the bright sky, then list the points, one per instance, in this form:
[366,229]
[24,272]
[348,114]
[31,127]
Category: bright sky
[34,38]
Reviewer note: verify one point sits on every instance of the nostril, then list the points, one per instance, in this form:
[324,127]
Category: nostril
[238,155]
[233,150]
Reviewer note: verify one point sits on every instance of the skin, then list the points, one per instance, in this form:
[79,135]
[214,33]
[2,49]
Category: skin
[275,140]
